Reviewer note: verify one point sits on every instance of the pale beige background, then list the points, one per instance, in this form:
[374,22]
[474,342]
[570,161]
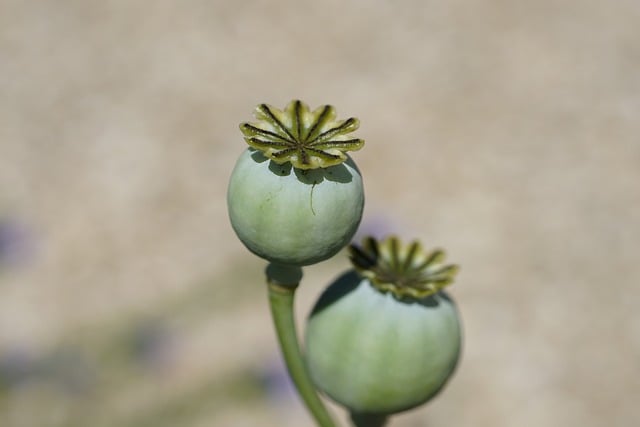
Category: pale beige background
[507,132]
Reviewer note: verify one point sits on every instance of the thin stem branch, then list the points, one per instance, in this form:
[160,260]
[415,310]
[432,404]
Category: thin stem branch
[283,282]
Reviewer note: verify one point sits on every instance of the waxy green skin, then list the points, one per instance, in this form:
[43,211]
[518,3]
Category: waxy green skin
[290,216]
[375,354]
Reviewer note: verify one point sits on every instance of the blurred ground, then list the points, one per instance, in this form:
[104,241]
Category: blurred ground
[504,131]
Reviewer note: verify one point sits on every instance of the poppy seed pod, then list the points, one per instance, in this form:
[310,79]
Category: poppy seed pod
[294,196]
[384,337]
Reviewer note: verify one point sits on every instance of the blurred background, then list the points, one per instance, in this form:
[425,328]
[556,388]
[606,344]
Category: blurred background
[506,132]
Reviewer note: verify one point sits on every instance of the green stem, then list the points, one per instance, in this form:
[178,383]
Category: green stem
[368,420]
[283,281]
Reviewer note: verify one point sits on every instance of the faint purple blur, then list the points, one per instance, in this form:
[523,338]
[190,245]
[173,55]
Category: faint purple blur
[16,243]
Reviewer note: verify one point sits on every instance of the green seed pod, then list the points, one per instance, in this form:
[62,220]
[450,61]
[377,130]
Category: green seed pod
[384,338]
[295,197]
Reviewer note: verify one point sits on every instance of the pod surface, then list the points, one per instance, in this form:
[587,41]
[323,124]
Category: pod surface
[294,216]
[375,354]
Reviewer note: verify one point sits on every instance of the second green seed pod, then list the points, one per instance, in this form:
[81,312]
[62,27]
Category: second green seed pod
[385,339]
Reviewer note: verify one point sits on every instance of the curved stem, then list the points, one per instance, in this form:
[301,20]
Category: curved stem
[283,281]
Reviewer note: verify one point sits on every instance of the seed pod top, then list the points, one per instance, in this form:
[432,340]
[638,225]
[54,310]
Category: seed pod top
[406,271]
[307,139]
